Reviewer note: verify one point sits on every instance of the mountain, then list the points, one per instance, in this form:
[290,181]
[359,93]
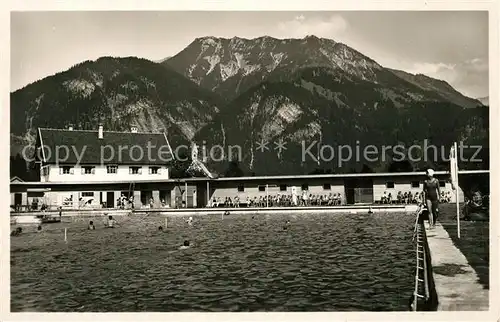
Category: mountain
[238,92]
[326,108]
[441,87]
[117,92]
[232,66]
[484,100]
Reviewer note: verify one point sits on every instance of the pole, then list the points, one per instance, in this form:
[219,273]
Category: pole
[186,194]
[456,189]
[166,222]
[267,195]
[65,234]
[208,194]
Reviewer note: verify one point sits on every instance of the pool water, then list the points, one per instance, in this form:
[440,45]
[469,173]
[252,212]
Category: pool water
[323,262]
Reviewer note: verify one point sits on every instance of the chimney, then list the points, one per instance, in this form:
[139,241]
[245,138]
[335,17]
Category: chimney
[133,129]
[70,127]
[101,129]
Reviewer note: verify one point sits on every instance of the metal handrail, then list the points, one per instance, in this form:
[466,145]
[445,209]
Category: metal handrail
[421,263]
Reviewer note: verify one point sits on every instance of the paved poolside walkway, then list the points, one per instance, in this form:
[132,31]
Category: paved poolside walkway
[457,284]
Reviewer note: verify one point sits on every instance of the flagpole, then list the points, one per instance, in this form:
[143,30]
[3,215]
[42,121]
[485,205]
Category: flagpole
[456,188]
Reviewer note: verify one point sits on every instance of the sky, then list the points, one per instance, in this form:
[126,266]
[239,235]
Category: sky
[448,45]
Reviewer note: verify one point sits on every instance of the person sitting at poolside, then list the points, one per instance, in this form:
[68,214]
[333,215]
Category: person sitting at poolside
[111,222]
[91,226]
[185,245]
[16,232]
[329,199]
[416,197]
[476,209]
[383,199]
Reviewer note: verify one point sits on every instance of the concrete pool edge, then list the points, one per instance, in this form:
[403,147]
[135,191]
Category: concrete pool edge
[365,209]
[355,209]
[461,291]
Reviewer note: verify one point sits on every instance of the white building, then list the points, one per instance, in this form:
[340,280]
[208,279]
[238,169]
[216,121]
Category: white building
[102,156]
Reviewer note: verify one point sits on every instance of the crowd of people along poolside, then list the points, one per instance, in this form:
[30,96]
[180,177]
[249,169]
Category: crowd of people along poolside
[279,200]
[409,198]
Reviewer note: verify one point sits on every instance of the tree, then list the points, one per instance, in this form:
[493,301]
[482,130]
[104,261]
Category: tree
[233,169]
[400,166]
[180,165]
[18,167]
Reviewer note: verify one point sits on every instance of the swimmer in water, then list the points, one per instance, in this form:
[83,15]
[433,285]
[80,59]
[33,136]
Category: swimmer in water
[160,228]
[185,245]
[39,228]
[287,224]
[190,221]
[16,232]
[111,222]
[91,226]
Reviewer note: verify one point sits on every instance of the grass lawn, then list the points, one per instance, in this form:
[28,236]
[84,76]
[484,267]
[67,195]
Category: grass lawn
[474,240]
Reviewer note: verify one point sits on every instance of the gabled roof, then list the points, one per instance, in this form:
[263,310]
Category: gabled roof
[85,147]
[16,179]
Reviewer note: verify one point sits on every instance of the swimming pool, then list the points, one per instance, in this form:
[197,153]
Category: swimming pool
[324,262]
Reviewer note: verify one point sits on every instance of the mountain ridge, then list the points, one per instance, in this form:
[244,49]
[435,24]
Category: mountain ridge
[319,89]
[231,65]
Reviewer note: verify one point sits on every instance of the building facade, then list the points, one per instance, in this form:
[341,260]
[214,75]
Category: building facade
[97,156]
[201,192]
[81,156]
[106,169]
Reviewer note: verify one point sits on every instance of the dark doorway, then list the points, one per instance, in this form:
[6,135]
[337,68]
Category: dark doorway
[358,190]
[18,199]
[110,199]
[165,197]
[201,194]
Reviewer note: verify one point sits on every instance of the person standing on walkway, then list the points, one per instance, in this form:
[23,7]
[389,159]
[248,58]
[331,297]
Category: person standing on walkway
[431,196]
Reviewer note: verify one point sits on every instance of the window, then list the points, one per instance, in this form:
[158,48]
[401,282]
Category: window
[389,185]
[283,187]
[112,169]
[305,187]
[241,188]
[327,186]
[154,170]
[415,184]
[88,170]
[262,188]
[135,170]
[67,170]
[442,183]
[88,194]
